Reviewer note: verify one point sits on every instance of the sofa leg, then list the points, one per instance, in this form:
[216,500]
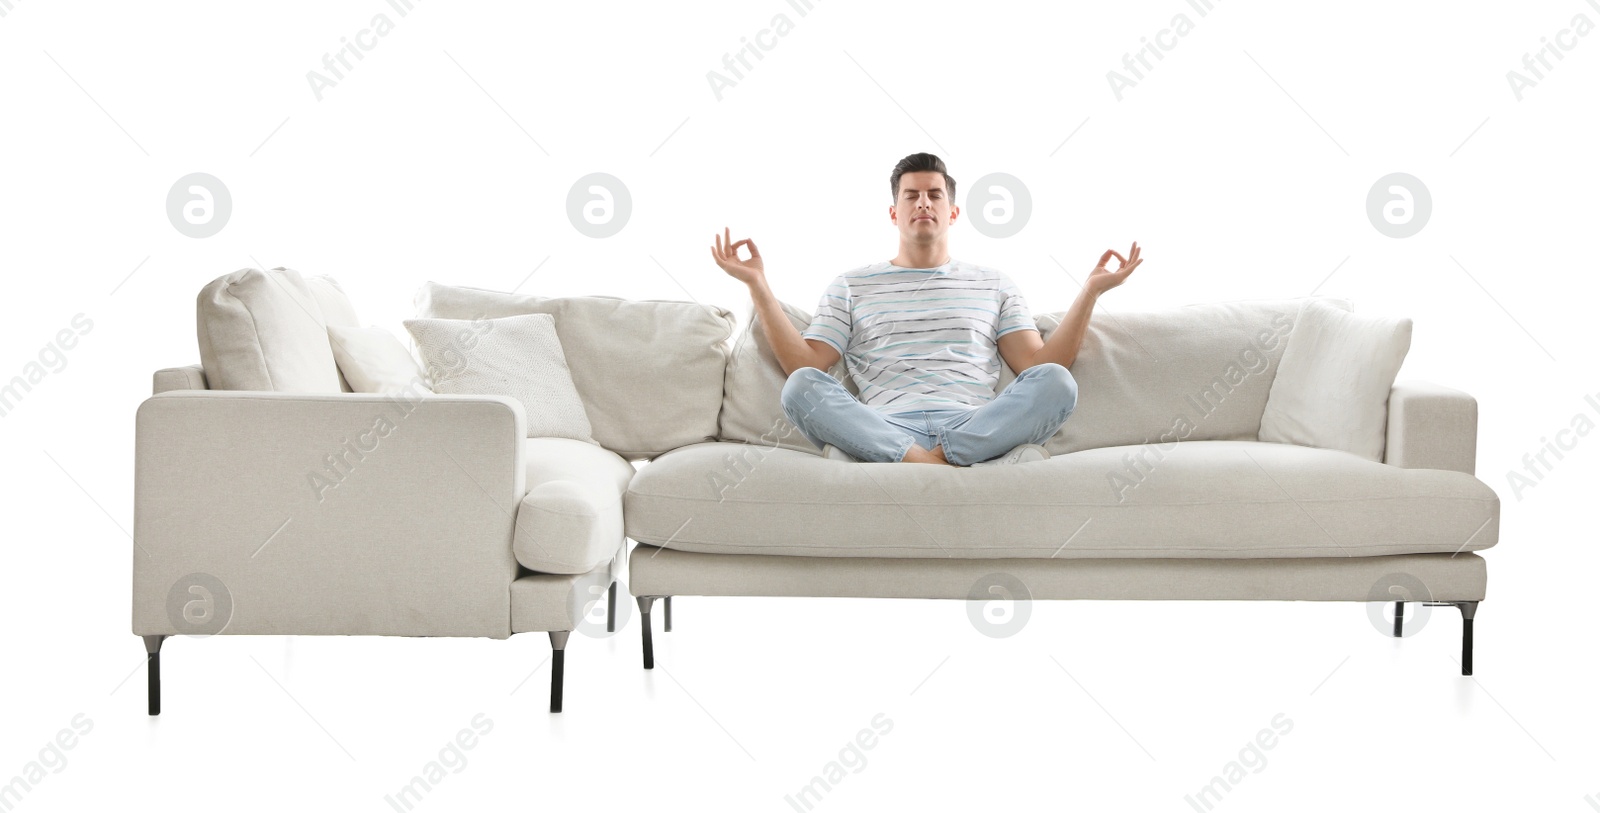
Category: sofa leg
[558,662]
[1399,617]
[152,648]
[611,608]
[644,616]
[666,618]
[1468,610]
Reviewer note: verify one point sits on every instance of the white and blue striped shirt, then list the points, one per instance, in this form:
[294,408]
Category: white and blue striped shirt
[921,338]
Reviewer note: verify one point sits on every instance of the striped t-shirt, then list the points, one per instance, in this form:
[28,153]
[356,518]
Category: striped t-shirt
[921,338]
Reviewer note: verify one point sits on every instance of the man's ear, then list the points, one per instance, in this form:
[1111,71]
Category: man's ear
[954,211]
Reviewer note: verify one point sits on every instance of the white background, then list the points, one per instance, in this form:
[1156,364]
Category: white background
[1241,163]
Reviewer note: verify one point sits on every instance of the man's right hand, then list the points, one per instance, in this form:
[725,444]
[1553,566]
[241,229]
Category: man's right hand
[726,254]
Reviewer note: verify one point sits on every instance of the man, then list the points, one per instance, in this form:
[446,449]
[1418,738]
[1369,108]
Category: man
[923,336]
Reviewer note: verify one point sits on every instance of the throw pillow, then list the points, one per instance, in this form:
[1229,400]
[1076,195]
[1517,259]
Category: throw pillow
[518,356]
[650,372]
[1332,387]
[373,360]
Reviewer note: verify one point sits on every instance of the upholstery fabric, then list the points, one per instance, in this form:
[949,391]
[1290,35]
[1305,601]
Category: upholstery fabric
[178,378]
[570,521]
[266,330]
[1199,372]
[1431,427]
[649,372]
[666,571]
[373,360]
[1190,499]
[336,311]
[337,514]
[518,356]
[548,601]
[1332,387]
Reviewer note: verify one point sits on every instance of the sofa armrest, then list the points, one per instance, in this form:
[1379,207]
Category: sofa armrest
[178,378]
[1431,427]
[326,514]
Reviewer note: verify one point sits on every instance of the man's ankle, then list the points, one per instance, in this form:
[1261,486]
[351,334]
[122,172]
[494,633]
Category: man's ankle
[917,454]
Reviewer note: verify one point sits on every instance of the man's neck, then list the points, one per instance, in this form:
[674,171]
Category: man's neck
[929,256]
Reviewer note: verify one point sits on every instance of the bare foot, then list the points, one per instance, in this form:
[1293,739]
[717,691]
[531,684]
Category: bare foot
[917,454]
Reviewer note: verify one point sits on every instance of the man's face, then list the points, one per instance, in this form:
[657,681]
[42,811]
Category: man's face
[923,212]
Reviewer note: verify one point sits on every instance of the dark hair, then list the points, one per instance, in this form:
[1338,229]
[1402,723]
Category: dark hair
[920,162]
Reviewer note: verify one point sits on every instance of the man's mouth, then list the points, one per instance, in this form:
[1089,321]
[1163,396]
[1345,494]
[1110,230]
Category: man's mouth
[924,217]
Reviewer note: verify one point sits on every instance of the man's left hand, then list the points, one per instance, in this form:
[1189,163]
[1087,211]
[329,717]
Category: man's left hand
[1102,279]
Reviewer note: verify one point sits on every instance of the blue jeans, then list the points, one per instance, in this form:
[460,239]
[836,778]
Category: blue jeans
[1029,410]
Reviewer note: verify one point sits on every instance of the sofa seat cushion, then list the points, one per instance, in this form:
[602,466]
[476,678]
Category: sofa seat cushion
[571,518]
[1190,499]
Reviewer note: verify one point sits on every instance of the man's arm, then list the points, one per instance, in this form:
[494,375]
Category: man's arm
[1022,349]
[792,350]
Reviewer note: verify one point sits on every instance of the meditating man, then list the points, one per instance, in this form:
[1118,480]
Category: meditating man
[923,336]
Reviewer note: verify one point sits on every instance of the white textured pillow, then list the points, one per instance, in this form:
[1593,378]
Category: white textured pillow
[1332,387]
[518,356]
[373,360]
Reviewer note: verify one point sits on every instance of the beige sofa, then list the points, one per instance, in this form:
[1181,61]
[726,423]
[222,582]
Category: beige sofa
[271,500]
[1157,488]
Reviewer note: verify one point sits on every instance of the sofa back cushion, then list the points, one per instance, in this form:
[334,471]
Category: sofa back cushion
[268,330]
[649,372]
[751,409]
[1199,372]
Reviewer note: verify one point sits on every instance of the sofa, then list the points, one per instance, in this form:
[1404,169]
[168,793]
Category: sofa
[274,496]
[1159,486]
[271,499]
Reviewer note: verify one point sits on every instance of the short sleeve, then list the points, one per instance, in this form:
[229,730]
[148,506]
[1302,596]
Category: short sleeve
[1014,312]
[832,323]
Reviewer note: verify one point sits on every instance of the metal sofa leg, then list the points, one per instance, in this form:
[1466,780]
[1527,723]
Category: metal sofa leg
[558,662]
[1468,610]
[1399,617]
[152,648]
[644,616]
[666,605]
[611,608]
